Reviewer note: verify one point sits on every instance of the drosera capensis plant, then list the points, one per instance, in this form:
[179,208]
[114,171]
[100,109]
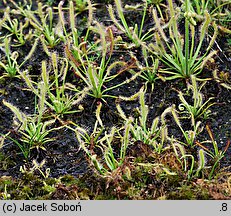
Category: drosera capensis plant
[73,38]
[45,25]
[153,135]
[183,55]
[219,10]
[180,163]
[135,33]
[189,135]
[149,69]
[107,159]
[96,75]
[69,34]
[101,145]
[17,28]
[22,7]
[33,132]
[199,7]
[4,18]
[36,167]
[199,108]
[11,65]
[80,6]
[56,96]
[196,111]
[213,150]
[190,166]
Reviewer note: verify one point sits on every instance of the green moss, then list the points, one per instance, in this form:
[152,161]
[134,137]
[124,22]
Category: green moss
[189,192]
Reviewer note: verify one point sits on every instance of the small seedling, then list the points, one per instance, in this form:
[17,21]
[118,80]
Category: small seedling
[12,67]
